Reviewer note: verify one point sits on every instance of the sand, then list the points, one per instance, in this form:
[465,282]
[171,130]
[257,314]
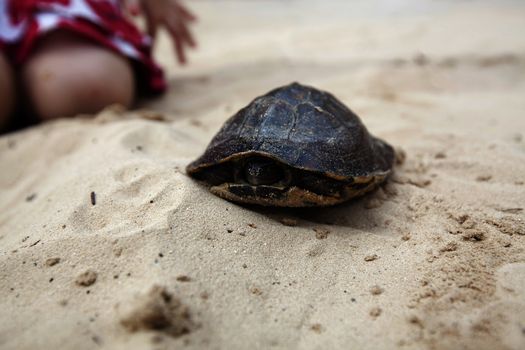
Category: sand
[106,243]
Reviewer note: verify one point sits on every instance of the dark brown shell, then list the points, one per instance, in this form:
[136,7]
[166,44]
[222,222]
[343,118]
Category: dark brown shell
[304,128]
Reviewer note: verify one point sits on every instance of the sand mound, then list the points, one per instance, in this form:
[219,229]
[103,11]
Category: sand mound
[159,311]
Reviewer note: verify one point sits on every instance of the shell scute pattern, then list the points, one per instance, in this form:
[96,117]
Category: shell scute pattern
[325,152]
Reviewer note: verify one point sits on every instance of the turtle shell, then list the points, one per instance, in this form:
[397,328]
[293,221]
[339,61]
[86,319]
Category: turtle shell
[303,128]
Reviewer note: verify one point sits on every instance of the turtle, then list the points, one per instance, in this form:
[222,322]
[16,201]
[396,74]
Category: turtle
[295,146]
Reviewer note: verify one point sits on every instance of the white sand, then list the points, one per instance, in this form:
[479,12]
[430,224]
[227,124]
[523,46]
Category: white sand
[448,229]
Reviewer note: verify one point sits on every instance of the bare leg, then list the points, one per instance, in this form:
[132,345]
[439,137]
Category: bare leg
[7,90]
[68,75]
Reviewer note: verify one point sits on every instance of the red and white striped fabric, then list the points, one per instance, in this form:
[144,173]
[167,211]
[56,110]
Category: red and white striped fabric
[22,22]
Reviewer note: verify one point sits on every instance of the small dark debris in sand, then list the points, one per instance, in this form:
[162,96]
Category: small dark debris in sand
[160,311]
[196,122]
[252,225]
[139,148]
[473,235]
[440,155]
[31,197]
[506,244]
[388,95]
[316,327]
[255,291]
[117,251]
[52,261]
[406,237]
[420,59]
[96,339]
[183,278]
[376,290]
[204,295]
[375,312]
[93,197]
[229,230]
[286,221]
[244,266]
[34,243]
[483,178]
[371,257]
[449,247]
[415,321]
[86,279]
[321,233]
[51,279]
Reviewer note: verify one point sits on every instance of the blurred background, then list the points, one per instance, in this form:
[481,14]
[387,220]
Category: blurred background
[375,48]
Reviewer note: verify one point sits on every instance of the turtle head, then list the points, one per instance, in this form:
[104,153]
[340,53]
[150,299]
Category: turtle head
[258,178]
[263,171]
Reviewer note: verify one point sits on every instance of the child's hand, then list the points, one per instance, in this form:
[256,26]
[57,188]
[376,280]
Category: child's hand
[168,13]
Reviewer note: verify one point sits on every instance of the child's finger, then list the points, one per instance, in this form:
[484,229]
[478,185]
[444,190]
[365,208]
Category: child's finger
[179,48]
[181,27]
[151,28]
[186,34]
[151,24]
[178,26]
[186,14]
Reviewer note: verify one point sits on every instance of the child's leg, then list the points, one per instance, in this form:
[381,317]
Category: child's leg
[69,75]
[7,90]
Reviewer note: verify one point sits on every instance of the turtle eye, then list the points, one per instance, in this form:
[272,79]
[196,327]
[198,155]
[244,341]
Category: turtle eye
[260,171]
